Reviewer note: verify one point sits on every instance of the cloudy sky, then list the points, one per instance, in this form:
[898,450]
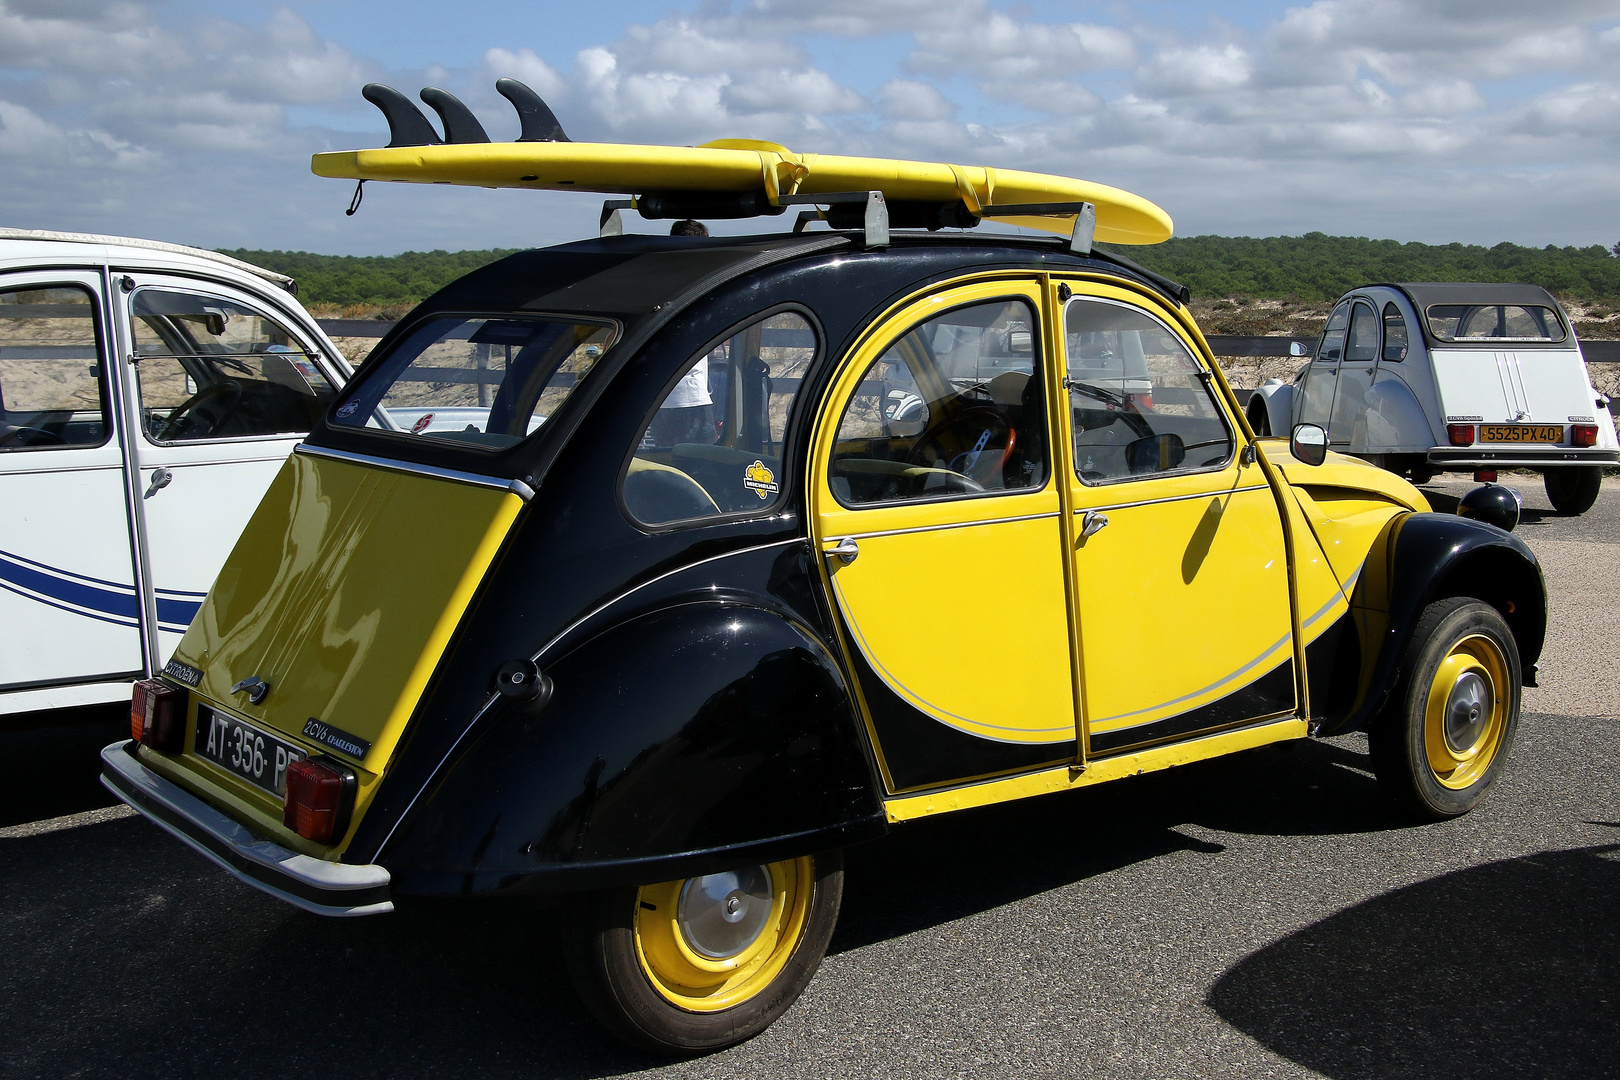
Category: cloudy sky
[1436,120]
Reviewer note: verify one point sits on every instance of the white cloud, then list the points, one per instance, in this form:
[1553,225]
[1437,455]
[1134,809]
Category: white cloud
[907,99]
[1001,48]
[1202,69]
[806,91]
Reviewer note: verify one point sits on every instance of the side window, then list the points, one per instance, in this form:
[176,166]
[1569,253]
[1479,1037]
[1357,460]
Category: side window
[954,407]
[1363,346]
[1394,334]
[1332,347]
[213,369]
[50,370]
[715,444]
[1140,402]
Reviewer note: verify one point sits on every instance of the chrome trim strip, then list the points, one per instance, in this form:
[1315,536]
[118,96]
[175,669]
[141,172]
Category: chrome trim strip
[1173,498]
[951,525]
[235,849]
[516,487]
[489,702]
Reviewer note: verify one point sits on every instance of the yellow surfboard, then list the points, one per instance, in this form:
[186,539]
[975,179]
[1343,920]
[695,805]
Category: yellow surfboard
[741,165]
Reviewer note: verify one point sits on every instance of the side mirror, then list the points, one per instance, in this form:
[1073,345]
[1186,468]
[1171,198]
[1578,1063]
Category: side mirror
[1297,348]
[1309,444]
[1155,453]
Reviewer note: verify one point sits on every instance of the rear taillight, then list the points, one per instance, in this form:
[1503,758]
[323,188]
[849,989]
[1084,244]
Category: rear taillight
[1583,435]
[157,716]
[1460,434]
[320,798]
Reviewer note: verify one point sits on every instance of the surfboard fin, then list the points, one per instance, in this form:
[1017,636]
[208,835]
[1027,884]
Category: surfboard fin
[539,122]
[460,125]
[406,124]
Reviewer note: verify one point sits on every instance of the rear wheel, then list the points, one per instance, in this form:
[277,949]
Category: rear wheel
[1573,489]
[1440,743]
[691,966]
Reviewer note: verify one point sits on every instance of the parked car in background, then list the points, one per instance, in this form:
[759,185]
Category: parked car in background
[1428,378]
[148,394]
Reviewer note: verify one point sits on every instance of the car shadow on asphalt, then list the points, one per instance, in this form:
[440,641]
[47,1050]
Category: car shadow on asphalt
[959,865]
[187,972]
[1506,970]
[1444,503]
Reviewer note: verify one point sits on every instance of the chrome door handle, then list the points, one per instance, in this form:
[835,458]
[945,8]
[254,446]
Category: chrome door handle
[1094,522]
[846,550]
[160,480]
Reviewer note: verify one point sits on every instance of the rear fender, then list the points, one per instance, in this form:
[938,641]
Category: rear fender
[1274,401]
[1396,423]
[1416,560]
[674,743]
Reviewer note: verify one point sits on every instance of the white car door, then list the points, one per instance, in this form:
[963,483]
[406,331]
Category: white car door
[1346,431]
[224,388]
[69,590]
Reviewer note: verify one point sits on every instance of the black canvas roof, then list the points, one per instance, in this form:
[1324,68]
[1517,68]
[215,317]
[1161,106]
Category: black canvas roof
[1424,293]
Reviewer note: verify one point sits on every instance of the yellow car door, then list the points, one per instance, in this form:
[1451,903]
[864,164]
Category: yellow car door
[940,525]
[1179,566]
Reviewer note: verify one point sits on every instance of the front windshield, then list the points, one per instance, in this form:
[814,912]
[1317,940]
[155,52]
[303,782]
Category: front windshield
[1494,322]
[483,381]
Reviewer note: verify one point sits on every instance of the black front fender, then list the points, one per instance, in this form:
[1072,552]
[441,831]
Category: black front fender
[1421,558]
[675,743]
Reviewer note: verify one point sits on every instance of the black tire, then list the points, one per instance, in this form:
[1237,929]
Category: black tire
[1442,739]
[1574,488]
[624,964]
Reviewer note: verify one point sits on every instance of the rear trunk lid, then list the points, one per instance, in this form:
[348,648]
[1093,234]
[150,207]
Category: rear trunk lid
[1527,386]
[342,595]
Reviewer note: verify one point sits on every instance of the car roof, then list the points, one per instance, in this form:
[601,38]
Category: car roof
[137,245]
[1425,293]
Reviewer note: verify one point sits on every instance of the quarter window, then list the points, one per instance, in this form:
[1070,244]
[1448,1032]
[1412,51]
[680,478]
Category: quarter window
[50,370]
[714,446]
[1140,401]
[1395,343]
[953,408]
[210,369]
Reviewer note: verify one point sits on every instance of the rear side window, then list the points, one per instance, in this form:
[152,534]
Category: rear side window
[210,368]
[50,370]
[714,446]
[483,382]
[1494,322]
[1395,343]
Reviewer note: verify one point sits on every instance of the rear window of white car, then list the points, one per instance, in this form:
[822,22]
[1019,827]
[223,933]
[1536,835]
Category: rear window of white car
[483,382]
[1494,322]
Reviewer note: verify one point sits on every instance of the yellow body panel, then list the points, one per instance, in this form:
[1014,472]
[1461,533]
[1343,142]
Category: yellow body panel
[1065,778]
[959,605]
[1184,597]
[742,165]
[342,594]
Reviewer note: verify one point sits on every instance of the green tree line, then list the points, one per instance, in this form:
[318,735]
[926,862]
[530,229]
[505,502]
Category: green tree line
[1312,267]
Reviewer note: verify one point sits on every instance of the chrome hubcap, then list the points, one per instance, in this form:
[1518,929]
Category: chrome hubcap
[720,915]
[1468,708]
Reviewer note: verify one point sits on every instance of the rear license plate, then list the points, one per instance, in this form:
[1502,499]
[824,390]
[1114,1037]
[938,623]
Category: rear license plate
[244,750]
[1547,433]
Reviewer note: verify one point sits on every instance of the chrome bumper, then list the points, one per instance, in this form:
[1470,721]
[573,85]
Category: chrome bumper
[325,888]
[1514,457]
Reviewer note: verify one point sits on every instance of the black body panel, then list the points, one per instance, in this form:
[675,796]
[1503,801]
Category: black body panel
[1268,695]
[1421,558]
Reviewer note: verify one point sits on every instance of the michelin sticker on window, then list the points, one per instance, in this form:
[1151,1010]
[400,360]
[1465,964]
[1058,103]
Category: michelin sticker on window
[760,480]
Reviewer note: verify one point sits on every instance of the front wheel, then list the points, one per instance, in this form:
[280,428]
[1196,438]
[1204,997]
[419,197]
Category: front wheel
[1574,488]
[1440,743]
[691,966]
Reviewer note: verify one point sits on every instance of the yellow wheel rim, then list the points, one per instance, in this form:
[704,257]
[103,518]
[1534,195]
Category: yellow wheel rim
[1466,713]
[709,943]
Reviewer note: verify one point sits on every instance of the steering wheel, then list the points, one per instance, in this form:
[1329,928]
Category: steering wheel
[202,414]
[976,442]
[28,436]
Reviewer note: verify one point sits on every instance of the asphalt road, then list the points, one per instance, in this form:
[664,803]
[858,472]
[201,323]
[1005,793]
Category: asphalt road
[1261,915]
